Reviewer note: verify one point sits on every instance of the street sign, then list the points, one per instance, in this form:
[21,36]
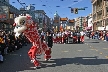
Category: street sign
[81,8]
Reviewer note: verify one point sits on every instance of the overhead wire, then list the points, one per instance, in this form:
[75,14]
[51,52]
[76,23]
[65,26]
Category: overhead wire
[73,3]
[49,5]
[46,7]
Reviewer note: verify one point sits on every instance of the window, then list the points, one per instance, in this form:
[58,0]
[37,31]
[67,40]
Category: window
[106,22]
[36,15]
[106,11]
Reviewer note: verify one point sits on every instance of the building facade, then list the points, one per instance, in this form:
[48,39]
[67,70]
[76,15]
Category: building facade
[7,15]
[100,14]
[89,25]
[70,24]
[40,17]
[79,23]
[64,23]
[56,22]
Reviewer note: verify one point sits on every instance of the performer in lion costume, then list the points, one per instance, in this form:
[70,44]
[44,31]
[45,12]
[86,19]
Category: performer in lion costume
[25,24]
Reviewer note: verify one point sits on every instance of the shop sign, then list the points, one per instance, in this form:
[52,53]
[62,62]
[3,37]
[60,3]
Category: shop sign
[63,19]
[4,13]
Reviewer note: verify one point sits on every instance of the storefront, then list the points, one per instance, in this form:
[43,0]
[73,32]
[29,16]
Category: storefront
[5,21]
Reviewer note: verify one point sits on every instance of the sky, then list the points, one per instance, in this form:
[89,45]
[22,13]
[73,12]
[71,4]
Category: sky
[63,10]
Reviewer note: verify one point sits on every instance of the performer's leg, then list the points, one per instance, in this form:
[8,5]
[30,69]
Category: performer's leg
[62,40]
[32,55]
[83,38]
[48,54]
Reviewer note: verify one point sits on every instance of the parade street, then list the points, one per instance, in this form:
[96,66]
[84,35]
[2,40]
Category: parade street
[92,56]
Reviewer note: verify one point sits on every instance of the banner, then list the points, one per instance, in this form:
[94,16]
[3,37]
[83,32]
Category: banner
[4,13]
[63,19]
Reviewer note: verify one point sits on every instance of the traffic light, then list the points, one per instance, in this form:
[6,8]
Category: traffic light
[76,10]
[72,10]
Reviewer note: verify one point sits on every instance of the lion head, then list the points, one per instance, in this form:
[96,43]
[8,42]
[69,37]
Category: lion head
[21,23]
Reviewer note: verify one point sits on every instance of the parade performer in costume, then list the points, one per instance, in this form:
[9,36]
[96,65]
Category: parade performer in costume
[82,36]
[25,24]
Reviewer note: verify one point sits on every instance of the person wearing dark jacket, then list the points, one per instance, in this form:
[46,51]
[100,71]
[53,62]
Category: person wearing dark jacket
[49,41]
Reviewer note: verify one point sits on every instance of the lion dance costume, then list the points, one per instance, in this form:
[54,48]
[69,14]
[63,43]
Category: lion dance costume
[24,24]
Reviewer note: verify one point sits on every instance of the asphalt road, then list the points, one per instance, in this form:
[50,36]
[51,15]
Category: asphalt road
[92,56]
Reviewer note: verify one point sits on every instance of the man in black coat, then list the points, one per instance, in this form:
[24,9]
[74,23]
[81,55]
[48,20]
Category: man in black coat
[49,41]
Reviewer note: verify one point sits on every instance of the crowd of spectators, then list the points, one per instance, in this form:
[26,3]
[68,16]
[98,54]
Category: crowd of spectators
[9,43]
[100,35]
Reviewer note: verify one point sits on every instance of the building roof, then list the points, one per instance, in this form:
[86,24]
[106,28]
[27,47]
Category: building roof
[56,14]
[40,11]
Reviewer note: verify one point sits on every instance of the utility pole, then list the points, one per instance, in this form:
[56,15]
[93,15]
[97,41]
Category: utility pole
[81,24]
[87,20]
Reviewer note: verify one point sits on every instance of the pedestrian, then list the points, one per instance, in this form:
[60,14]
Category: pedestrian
[49,41]
[82,36]
[107,36]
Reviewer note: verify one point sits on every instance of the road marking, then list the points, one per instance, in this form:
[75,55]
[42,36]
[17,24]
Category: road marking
[96,50]
[88,58]
[101,53]
[65,51]
[105,48]
[79,50]
[106,57]
[92,49]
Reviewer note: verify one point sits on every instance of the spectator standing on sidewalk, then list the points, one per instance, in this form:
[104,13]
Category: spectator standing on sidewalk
[92,34]
[104,35]
[49,40]
[107,36]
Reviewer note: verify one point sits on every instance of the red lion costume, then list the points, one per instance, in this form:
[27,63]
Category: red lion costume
[25,24]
